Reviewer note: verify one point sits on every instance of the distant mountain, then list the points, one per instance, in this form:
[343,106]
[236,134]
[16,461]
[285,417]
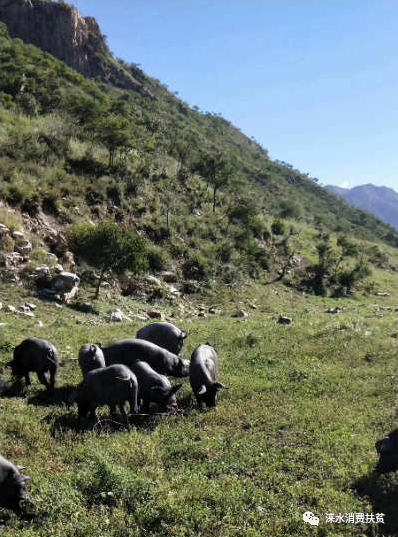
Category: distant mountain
[378,200]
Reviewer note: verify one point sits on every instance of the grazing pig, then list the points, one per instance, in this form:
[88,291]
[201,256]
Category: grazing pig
[129,351]
[154,387]
[203,376]
[112,386]
[90,357]
[165,335]
[37,356]
[387,448]
[12,485]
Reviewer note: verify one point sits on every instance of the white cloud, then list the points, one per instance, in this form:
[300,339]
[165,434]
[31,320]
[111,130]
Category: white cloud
[345,184]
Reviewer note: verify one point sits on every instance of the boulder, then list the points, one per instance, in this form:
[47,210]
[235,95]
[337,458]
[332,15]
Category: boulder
[65,282]
[116,316]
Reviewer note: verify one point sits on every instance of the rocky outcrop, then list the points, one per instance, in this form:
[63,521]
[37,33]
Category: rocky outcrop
[59,29]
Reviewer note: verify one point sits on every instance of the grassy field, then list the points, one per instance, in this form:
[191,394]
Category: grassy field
[294,432]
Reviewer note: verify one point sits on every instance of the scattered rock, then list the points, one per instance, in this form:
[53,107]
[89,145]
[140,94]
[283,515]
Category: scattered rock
[253,306]
[214,311]
[240,314]
[382,293]
[1,305]
[11,308]
[202,314]
[40,324]
[369,357]
[285,320]
[154,314]
[30,306]
[116,316]
[337,309]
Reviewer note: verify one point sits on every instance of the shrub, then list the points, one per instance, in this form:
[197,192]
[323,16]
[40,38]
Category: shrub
[278,227]
[109,247]
[196,267]
[158,258]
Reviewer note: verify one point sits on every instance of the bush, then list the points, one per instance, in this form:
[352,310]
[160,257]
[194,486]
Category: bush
[196,267]
[158,258]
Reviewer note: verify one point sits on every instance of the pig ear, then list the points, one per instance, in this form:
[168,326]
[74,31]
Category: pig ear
[183,334]
[175,389]
[218,386]
[383,445]
[202,390]
[93,349]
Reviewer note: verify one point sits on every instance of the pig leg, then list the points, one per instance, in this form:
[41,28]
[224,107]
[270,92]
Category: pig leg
[27,379]
[43,380]
[112,409]
[123,412]
[52,379]
[133,406]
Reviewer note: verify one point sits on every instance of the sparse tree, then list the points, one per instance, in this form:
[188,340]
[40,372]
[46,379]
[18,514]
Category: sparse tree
[109,247]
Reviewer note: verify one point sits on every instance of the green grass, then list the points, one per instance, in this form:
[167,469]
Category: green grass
[294,432]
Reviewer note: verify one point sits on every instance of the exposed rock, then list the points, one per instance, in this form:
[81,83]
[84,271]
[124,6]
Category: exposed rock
[153,280]
[30,305]
[168,276]
[214,311]
[4,230]
[285,320]
[11,308]
[68,260]
[1,305]
[202,314]
[60,30]
[24,247]
[382,293]
[17,235]
[253,306]
[65,282]
[240,314]
[12,260]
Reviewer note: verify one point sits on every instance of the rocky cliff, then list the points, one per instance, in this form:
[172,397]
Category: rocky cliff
[60,30]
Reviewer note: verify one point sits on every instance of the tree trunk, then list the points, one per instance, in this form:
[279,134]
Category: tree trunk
[214,199]
[97,291]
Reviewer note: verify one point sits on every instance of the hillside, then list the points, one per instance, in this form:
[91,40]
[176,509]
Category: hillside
[378,200]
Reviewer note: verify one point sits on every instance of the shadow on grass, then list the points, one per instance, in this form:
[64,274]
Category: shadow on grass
[59,397]
[382,493]
[106,424]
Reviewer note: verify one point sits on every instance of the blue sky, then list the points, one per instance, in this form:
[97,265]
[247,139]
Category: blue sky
[314,81]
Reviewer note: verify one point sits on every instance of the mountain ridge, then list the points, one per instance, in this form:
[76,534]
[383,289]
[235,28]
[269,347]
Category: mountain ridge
[381,201]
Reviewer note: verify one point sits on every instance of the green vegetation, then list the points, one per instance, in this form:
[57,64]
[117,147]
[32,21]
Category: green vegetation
[84,151]
[109,247]
[294,432]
